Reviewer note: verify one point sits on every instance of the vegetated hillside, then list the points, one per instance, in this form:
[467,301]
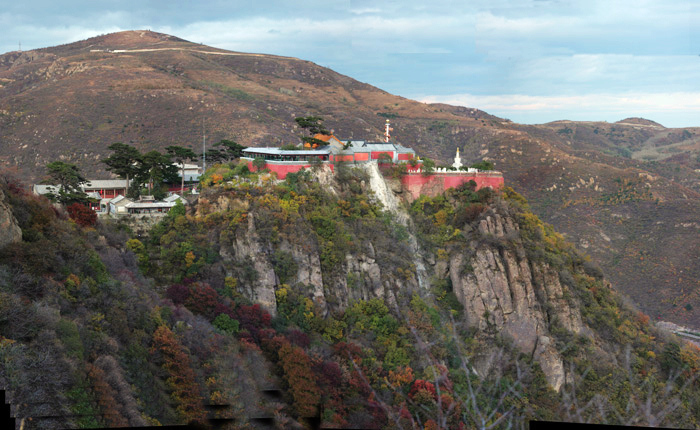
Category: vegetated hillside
[74,100]
[635,218]
[467,314]
[612,188]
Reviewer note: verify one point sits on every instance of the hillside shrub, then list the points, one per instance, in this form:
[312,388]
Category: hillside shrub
[82,215]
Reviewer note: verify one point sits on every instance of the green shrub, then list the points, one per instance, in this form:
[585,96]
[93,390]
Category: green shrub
[284,265]
[483,165]
[226,324]
[67,331]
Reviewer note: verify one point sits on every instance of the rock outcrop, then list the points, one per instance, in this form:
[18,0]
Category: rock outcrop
[503,292]
[247,248]
[361,276]
[9,228]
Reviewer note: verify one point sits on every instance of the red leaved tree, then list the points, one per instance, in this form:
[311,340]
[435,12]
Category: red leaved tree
[301,380]
[202,299]
[82,215]
[106,398]
[182,380]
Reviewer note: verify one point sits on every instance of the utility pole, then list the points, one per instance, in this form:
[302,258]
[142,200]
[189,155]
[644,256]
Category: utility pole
[20,46]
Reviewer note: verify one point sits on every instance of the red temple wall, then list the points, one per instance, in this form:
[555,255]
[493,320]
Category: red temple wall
[417,184]
[377,154]
[283,169]
[344,158]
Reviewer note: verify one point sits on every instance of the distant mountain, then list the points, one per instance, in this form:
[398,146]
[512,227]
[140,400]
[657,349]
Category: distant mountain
[626,192]
[640,121]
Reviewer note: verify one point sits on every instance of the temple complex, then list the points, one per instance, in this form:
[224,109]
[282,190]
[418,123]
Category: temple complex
[334,150]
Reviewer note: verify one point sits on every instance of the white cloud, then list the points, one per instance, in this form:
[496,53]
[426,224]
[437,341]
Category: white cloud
[365,11]
[676,108]
[33,37]
[372,33]
[600,27]
[596,73]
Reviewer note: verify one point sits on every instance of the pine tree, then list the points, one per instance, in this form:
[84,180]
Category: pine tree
[69,179]
[180,155]
[124,162]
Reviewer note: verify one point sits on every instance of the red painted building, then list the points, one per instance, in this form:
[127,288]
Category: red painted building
[283,169]
[283,162]
[415,183]
[106,188]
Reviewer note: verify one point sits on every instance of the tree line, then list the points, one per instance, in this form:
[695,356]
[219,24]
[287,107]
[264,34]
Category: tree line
[144,172]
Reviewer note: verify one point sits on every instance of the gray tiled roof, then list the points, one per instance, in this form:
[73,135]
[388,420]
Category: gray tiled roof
[119,199]
[42,189]
[104,183]
[140,205]
[375,146]
[278,151]
[174,198]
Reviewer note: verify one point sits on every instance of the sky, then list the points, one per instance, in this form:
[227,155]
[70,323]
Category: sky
[531,61]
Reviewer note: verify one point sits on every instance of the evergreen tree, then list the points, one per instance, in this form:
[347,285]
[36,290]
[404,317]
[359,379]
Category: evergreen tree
[483,165]
[68,178]
[180,155]
[428,167]
[313,124]
[154,170]
[216,156]
[231,149]
[124,162]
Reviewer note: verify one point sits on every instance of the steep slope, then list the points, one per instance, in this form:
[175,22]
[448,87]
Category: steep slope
[511,312]
[322,257]
[153,90]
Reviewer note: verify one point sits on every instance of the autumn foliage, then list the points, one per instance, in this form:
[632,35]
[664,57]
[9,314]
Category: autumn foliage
[300,378]
[82,215]
[106,398]
[182,382]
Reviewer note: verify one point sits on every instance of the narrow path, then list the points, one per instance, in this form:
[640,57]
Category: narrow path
[242,54]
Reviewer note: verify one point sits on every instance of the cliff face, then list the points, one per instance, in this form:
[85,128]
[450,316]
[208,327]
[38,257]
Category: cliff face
[502,291]
[467,293]
[337,263]
[9,229]
[362,276]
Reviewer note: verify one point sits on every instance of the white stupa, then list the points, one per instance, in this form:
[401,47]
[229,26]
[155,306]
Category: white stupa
[458,161]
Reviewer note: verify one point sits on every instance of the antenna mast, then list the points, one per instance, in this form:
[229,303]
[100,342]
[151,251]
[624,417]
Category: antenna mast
[204,148]
[388,128]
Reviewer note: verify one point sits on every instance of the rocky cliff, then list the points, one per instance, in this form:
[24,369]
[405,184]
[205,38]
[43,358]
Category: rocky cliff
[461,310]
[9,228]
[360,273]
[504,293]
